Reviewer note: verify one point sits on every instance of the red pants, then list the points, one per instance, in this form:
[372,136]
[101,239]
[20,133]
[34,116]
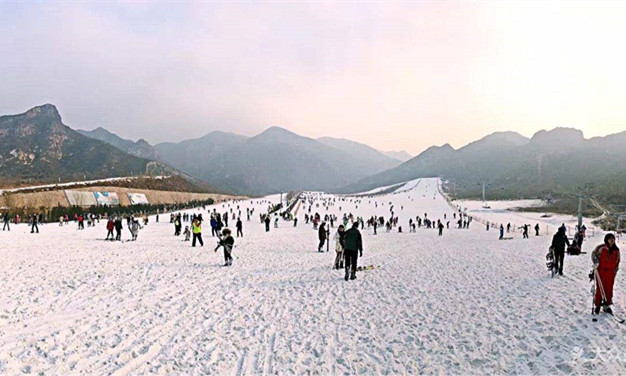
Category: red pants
[607,277]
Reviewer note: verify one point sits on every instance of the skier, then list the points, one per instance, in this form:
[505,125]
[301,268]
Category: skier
[239,227]
[213,223]
[187,233]
[558,243]
[501,232]
[537,229]
[267,223]
[197,232]
[134,228]
[605,258]
[118,228]
[525,233]
[295,222]
[339,245]
[440,228]
[110,226]
[6,219]
[34,224]
[227,242]
[322,237]
[353,243]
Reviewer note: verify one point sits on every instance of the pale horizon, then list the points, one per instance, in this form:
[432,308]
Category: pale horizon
[394,76]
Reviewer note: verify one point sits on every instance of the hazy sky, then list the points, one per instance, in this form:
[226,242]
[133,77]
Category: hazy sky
[392,75]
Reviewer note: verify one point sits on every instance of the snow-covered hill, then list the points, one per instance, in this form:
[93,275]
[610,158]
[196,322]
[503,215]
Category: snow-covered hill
[463,303]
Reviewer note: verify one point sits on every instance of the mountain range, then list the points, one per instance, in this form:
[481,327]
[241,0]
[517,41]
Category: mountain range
[37,145]
[556,162]
[272,161]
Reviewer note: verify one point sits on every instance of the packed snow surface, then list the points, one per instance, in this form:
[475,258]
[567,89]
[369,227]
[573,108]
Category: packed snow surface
[463,303]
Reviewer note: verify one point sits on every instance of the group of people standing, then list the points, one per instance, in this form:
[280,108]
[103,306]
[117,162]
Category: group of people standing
[348,247]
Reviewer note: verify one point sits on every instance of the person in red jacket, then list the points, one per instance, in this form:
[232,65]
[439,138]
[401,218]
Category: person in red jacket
[110,227]
[606,260]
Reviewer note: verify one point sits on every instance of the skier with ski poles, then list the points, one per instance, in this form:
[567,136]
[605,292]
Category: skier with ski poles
[228,242]
[605,258]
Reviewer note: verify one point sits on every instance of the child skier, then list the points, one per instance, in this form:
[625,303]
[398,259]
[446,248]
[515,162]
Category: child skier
[227,241]
[187,233]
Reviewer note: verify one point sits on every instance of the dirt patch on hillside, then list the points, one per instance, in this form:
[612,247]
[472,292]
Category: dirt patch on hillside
[50,199]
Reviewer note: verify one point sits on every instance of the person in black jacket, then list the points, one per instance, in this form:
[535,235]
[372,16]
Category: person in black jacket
[353,244]
[321,233]
[228,242]
[559,240]
[118,228]
[6,219]
[239,226]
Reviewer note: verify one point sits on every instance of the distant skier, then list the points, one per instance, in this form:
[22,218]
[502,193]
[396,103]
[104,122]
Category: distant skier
[339,246]
[440,229]
[228,243]
[239,226]
[134,229]
[525,231]
[321,233]
[501,232]
[118,228]
[110,227]
[197,232]
[213,223]
[34,224]
[605,258]
[559,240]
[267,223]
[537,229]
[295,222]
[353,244]
[6,219]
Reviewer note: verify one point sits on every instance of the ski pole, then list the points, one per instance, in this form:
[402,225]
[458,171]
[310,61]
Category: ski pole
[597,276]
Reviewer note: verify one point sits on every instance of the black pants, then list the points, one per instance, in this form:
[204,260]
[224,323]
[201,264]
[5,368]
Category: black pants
[321,245]
[351,260]
[6,225]
[35,227]
[559,256]
[267,227]
[213,231]
[239,232]
[199,237]
[118,234]
[227,255]
[110,233]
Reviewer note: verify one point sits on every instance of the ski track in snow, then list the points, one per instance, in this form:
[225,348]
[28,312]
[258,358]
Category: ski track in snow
[464,303]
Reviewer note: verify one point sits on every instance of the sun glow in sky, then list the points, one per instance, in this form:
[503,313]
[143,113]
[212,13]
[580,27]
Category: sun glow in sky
[392,75]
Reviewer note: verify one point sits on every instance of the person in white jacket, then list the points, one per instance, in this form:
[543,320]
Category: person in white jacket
[339,245]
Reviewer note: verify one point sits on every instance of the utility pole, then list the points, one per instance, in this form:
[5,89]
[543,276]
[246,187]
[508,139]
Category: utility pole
[580,212]
[483,191]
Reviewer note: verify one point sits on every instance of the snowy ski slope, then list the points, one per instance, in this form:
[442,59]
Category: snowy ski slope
[464,303]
